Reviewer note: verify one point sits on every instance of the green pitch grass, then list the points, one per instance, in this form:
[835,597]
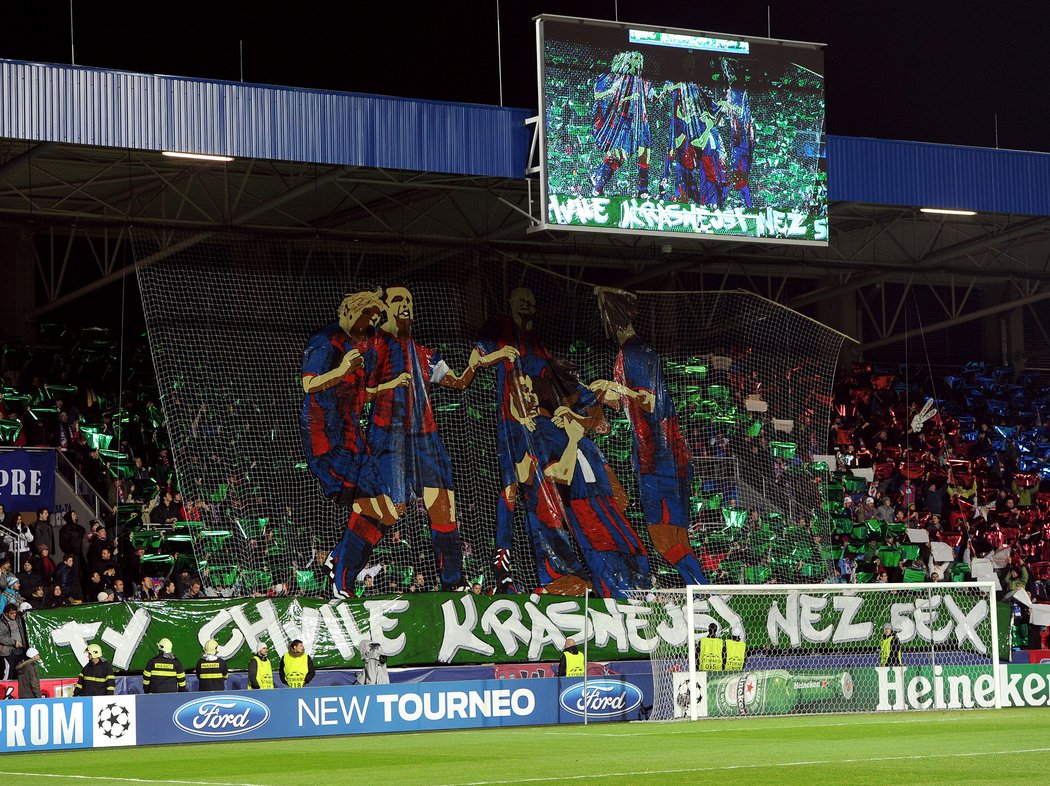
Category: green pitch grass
[978,747]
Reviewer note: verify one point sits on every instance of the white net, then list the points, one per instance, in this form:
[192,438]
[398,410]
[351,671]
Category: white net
[229,318]
[822,649]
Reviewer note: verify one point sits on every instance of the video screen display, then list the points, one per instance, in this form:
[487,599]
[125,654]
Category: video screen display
[650,131]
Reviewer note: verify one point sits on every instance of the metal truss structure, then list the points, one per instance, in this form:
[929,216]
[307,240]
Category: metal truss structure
[889,274]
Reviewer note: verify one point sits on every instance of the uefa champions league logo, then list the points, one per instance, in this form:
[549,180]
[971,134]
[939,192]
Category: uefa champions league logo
[114,721]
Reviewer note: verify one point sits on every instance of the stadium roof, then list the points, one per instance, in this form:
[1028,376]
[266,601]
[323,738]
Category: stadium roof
[80,153]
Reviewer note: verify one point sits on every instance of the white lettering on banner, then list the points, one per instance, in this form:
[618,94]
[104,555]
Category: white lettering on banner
[327,711]
[544,631]
[211,629]
[48,723]
[303,625]
[446,705]
[18,482]
[847,606]
[587,210]
[76,636]
[342,627]
[267,623]
[951,691]
[567,617]
[809,608]
[460,635]
[803,616]
[380,621]
[786,621]
[510,632]
[609,626]
[124,644]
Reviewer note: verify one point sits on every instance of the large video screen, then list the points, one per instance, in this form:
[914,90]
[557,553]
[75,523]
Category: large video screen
[683,133]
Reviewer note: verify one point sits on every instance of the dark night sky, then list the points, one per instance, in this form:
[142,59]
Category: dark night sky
[921,70]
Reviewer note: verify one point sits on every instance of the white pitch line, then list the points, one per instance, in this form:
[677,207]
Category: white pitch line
[121,780]
[729,767]
[732,726]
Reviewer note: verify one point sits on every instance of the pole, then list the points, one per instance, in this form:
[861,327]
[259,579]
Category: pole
[72,48]
[499,54]
[586,649]
[994,619]
[933,652]
[690,623]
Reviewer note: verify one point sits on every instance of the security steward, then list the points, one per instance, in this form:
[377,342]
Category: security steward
[297,668]
[736,653]
[712,655]
[572,663]
[890,648]
[96,678]
[212,670]
[164,672]
[260,670]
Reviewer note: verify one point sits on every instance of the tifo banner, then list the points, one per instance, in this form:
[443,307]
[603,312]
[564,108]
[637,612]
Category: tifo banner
[109,721]
[432,628]
[27,480]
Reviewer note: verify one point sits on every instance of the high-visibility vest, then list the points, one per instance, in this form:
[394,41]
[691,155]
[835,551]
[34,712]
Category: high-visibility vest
[885,650]
[296,668]
[736,651]
[575,665]
[711,650]
[263,673]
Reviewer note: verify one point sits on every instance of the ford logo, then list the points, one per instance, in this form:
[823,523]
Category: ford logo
[600,698]
[221,716]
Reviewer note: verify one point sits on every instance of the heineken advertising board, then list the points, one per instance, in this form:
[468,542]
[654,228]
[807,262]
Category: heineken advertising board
[440,628]
[810,691]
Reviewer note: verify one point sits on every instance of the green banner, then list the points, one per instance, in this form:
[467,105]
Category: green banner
[446,628]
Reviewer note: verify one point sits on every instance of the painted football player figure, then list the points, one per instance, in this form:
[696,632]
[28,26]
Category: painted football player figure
[659,452]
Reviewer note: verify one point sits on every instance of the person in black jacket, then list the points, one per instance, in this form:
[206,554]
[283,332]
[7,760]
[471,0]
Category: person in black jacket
[212,670]
[71,536]
[164,672]
[96,678]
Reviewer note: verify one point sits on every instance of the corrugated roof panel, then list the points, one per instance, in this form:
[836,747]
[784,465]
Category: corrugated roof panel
[117,109]
[920,174]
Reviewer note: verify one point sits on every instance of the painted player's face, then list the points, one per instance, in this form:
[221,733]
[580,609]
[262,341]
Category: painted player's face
[527,398]
[399,304]
[369,318]
[523,307]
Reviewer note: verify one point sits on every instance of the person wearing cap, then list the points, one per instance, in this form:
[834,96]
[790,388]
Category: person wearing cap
[164,672]
[96,678]
[260,670]
[297,668]
[890,649]
[29,675]
[212,670]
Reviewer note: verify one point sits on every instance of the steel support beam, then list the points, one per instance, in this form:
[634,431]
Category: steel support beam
[959,320]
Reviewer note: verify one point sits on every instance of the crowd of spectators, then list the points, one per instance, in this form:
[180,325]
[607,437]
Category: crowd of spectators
[960,461]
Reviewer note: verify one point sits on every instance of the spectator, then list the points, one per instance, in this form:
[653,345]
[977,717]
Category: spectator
[19,540]
[56,598]
[12,640]
[195,592]
[29,675]
[71,536]
[28,576]
[146,590]
[44,564]
[169,591]
[93,585]
[37,598]
[43,530]
[67,575]
[119,594]
[97,543]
